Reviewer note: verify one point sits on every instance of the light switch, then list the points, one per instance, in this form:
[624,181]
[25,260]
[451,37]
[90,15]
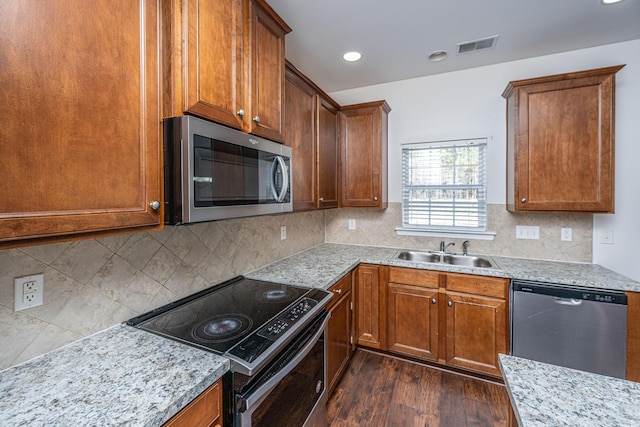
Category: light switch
[527,232]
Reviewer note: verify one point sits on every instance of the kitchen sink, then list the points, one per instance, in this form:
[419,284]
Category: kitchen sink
[467,261]
[444,258]
[419,256]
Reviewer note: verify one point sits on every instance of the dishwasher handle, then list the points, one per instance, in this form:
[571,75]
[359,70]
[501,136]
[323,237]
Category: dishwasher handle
[567,293]
[567,301]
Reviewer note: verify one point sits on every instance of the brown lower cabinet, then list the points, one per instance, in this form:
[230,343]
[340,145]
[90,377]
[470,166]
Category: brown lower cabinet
[412,313]
[476,318]
[369,299]
[204,411]
[339,331]
[457,320]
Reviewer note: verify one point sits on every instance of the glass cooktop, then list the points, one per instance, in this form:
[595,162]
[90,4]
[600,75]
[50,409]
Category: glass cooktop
[220,317]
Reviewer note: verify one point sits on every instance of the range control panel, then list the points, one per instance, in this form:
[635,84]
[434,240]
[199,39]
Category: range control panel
[285,320]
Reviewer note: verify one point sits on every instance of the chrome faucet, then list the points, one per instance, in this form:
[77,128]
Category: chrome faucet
[465,246]
[444,247]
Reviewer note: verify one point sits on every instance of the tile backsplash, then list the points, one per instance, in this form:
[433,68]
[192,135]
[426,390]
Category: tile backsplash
[92,284]
[96,283]
[376,227]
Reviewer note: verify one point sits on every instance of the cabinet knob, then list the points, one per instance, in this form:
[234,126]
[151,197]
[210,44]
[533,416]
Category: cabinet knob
[375,199]
[450,304]
[155,205]
[256,119]
[338,291]
[321,199]
[241,112]
[433,301]
[523,200]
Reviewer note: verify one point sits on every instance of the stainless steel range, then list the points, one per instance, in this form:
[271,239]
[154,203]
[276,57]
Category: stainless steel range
[274,336]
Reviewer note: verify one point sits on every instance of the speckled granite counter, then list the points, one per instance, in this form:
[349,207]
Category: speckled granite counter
[544,395]
[125,376]
[119,377]
[325,264]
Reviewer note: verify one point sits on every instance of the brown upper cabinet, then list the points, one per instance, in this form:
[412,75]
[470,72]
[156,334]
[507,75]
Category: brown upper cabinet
[80,149]
[363,155]
[560,142]
[328,152]
[311,130]
[224,61]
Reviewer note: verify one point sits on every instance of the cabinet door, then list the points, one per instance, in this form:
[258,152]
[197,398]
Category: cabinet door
[327,176]
[476,332]
[363,155]
[339,332]
[79,98]
[368,303]
[300,114]
[211,59]
[413,320]
[561,142]
[204,411]
[265,53]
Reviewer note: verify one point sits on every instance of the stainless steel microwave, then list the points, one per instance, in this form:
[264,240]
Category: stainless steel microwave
[214,172]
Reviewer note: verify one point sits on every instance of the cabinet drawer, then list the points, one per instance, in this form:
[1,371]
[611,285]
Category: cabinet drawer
[478,285]
[411,276]
[340,289]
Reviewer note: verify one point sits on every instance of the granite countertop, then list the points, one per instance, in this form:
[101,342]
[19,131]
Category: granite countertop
[125,376]
[120,376]
[544,395]
[325,264]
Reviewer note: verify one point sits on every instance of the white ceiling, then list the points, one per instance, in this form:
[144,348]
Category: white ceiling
[396,36]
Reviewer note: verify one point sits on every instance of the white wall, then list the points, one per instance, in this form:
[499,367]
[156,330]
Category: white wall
[467,104]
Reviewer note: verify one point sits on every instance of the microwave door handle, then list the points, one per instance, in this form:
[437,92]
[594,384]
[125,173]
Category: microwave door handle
[278,161]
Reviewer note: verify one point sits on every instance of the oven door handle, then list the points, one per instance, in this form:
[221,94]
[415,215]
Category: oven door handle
[259,394]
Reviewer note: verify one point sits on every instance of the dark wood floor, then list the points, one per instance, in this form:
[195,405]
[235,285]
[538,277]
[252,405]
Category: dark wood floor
[377,390]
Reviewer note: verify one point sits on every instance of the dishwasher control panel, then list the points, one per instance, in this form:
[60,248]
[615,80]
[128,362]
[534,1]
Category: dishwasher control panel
[571,292]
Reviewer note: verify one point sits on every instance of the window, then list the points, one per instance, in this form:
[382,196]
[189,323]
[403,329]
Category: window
[444,186]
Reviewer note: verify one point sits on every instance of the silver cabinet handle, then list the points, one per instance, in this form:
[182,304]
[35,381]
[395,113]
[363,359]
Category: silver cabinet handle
[433,301]
[155,205]
[450,304]
[375,199]
[256,119]
[321,199]
[524,200]
[241,112]
[338,291]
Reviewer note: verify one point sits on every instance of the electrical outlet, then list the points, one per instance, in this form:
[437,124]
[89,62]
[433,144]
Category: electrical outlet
[352,224]
[283,232]
[527,232]
[29,291]
[565,234]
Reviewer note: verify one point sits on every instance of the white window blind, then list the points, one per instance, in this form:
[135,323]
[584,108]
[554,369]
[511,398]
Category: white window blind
[444,185]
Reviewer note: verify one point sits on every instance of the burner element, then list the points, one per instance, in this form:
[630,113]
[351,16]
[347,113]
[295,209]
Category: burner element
[222,328]
[276,295]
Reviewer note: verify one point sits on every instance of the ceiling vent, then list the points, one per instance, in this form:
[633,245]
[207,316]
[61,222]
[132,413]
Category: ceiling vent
[476,45]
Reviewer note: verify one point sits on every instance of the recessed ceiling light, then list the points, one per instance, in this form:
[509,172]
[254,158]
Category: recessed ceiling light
[610,1]
[438,55]
[352,56]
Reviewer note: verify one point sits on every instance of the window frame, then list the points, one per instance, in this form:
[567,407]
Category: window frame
[480,231]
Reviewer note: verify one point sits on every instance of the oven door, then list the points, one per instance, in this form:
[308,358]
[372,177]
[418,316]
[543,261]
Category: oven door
[291,392]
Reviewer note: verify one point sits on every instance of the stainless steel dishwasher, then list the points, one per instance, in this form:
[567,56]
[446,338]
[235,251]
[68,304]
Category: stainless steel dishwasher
[579,328]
